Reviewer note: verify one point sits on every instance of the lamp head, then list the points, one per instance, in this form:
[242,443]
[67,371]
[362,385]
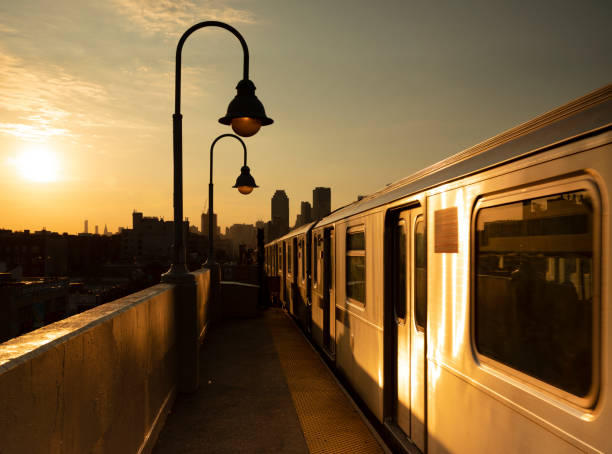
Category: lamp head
[245,182]
[245,112]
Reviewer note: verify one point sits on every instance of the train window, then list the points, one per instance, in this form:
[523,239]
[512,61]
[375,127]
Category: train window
[355,265]
[534,288]
[420,274]
[303,261]
[400,299]
[315,260]
[289,258]
[280,257]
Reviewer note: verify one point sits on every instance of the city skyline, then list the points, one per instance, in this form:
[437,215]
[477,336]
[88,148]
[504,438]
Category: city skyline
[85,117]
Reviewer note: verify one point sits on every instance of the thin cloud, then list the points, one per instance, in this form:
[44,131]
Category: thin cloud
[8,30]
[38,99]
[37,103]
[32,133]
[170,16]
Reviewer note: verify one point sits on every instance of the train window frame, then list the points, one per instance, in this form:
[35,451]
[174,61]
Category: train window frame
[419,325]
[535,191]
[315,260]
[289,259]
[355,253]
[304,259]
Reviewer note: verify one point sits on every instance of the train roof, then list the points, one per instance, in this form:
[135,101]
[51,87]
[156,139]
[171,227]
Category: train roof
[296,231]
[583,115]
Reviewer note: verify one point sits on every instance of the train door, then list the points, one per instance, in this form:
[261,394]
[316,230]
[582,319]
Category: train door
[406,302]
[329,313]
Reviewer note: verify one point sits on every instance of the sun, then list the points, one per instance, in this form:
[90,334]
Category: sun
[39,165]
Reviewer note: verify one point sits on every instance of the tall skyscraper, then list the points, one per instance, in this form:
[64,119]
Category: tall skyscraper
[305,215]
[86,228]
[96,230]
[321,202]
[280,209]
[204,225]
[306,212]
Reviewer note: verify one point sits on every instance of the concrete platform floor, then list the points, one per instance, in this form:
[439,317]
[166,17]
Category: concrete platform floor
[264,390]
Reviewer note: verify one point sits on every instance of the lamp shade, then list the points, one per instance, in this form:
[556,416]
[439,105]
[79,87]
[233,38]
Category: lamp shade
[245,112]
[245,181]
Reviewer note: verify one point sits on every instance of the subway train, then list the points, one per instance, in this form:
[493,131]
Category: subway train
[467,306]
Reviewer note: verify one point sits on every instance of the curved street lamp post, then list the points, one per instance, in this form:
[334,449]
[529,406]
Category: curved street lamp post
[245,184]
[245,114]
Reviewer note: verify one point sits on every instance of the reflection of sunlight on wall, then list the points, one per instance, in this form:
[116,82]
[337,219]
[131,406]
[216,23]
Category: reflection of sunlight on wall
[29,343]
[37,164]
[459,304]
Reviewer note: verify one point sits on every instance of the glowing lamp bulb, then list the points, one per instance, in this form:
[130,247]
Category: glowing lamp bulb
[245,126]
[245,189]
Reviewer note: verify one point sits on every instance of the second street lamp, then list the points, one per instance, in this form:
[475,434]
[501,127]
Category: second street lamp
[245,184]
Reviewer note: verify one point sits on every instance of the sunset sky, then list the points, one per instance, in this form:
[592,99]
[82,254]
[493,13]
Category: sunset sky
[362,93]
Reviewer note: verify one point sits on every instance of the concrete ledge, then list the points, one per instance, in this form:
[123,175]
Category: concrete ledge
[101,381]
[21,349]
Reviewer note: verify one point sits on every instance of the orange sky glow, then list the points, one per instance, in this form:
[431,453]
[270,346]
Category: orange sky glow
[362,94]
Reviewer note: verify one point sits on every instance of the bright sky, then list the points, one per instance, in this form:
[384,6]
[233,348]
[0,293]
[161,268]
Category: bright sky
[362,93]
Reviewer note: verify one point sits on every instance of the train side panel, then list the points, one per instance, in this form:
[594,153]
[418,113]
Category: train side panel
[485,395]
[359,319]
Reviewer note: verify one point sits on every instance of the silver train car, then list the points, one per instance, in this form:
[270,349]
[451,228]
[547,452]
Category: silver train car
[468,305]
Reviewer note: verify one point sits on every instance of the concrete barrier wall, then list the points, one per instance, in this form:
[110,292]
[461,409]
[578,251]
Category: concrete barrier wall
[99,382]
[202,280]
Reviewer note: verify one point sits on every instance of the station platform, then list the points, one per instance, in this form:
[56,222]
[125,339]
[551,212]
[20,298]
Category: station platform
[264,389]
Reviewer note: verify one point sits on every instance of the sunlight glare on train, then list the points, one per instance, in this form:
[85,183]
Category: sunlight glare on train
[458,278]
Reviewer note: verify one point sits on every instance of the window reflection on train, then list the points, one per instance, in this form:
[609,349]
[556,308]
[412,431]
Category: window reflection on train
[534,310]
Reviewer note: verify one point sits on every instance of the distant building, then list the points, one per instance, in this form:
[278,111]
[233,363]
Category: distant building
[86,227]
[30,304]
[305,215]
[96,231]
[280,211]
[273,230]
[204,226]
[321,202]
[150,238]
[245,234]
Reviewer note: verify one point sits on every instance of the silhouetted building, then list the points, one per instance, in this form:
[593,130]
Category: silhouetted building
[305,215]
[321,202]
[280,210]
[150,238]
[241,234]
[273,230]
[86,227]
[204,226]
